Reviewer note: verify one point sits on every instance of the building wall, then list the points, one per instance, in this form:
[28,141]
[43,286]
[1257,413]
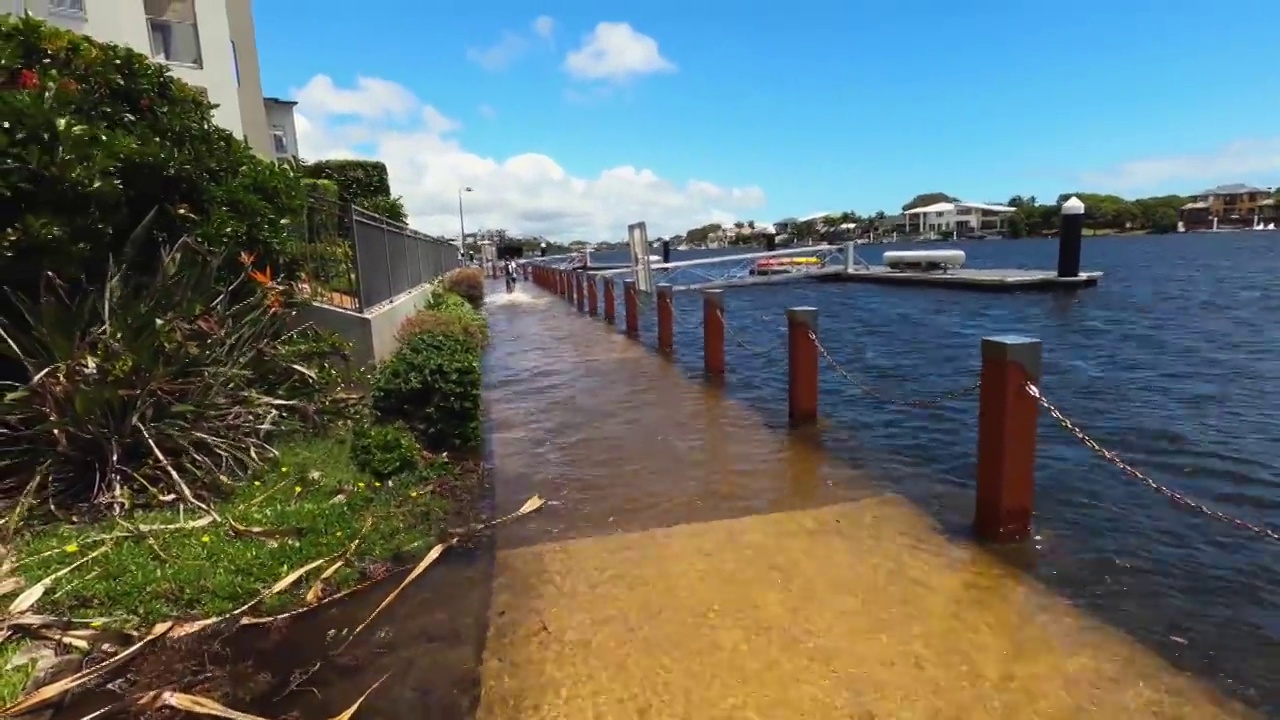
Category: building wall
[125,22]
[280,117]
[244,40]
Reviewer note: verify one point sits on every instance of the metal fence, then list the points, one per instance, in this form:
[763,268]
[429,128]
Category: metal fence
[357,260]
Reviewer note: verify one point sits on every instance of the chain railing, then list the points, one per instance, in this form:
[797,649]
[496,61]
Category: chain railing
[1132,472]
[936,400]
[870,391]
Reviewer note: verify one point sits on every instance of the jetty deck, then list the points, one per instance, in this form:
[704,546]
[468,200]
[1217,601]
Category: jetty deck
[729,571]
[968,278]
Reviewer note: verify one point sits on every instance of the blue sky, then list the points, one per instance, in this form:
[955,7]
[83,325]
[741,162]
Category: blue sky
[802,107]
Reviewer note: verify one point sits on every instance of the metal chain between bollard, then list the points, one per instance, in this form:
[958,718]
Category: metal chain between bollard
[1129,470]
[675,317]
[868,390]
[729,333]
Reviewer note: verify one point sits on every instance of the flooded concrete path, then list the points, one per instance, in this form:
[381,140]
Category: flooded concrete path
[698,565]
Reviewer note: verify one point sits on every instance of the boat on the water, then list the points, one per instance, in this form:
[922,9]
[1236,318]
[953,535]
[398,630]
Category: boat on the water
[784,265]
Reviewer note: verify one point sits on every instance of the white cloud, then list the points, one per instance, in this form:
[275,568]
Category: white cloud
[614,51]
[544,26]
[526,193]
[1240,161]
[487,112]
[501,54]
[512,45]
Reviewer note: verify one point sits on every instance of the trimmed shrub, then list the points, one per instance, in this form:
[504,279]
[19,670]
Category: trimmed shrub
[385,450]
[446,312]
[432,383]
[467,282]
[364,183]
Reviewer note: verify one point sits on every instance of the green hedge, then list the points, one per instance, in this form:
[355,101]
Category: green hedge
[362,182]
[432,383]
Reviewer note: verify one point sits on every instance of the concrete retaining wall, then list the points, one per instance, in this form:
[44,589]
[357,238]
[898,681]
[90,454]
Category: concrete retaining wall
[372,334]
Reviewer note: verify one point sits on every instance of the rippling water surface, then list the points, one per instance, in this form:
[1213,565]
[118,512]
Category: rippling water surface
[1170,362]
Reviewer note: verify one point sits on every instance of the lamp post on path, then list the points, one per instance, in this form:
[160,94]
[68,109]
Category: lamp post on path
[462,226]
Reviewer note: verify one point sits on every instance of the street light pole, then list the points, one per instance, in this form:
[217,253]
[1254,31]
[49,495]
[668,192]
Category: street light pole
[462,227]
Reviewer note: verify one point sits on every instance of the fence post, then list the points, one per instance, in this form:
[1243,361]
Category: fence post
[570,281]
[631,305]
[593,308]
[666,319]
[608,299]
[713,332]
[1006,439]
[802,366]
[579,281]
[357,272]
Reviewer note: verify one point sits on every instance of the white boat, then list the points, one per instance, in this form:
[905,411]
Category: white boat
[924,259]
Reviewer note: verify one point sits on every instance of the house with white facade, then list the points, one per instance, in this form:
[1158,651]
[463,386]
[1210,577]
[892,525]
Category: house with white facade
[958,217]
[210,44]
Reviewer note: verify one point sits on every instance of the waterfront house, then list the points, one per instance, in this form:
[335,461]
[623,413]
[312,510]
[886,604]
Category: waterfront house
[215,51]
[1229,206]
[958,217]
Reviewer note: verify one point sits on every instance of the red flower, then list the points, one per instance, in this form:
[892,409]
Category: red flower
[28,79]
[69,85]
[145,103]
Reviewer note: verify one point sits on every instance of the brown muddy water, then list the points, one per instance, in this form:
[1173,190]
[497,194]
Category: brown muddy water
[693,563]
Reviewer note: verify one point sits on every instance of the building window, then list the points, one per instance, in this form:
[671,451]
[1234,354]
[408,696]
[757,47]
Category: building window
[74,8]
[280,139]
[175,36]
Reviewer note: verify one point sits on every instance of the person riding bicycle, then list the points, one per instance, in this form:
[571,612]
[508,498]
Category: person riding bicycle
[509,270]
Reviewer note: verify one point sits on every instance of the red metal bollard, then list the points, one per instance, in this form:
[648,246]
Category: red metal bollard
[802,366]
[570,281]
[563,286]
[631,305]
[524,271]
[580,288]
[666,319]
[1007,439]
[592,306]
[608,300]
[713,332]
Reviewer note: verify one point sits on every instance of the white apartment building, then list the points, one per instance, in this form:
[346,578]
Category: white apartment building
[210,44]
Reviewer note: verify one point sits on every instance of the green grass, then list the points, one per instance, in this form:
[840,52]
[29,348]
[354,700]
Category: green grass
[312,503]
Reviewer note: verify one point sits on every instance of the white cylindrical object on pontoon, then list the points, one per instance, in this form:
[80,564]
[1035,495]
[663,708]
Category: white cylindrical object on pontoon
[924,259]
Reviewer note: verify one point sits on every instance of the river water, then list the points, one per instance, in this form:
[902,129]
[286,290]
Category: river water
[1169,362]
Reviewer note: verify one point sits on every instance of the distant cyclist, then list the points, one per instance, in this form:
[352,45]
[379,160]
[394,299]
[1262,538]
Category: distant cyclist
[509,270]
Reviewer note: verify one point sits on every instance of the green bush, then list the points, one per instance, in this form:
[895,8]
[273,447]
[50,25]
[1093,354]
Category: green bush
[448,313]
[97,136]
[432,383]
[385,450]
[467,282]
[364,183]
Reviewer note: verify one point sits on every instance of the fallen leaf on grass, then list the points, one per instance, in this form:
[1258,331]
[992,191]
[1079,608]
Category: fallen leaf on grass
[53,691]
[418,570]
[282,584]
[194,704]
[31,595]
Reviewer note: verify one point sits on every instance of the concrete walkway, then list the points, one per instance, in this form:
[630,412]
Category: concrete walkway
[737,573]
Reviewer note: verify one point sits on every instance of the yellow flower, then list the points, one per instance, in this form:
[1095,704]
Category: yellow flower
[71,548]
[95,624]
[297,489]
[360,485]
[377,484]
[413,494]
[257,483]
[204,538]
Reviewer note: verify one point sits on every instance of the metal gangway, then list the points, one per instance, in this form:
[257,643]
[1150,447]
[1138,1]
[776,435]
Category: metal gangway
[725,271]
